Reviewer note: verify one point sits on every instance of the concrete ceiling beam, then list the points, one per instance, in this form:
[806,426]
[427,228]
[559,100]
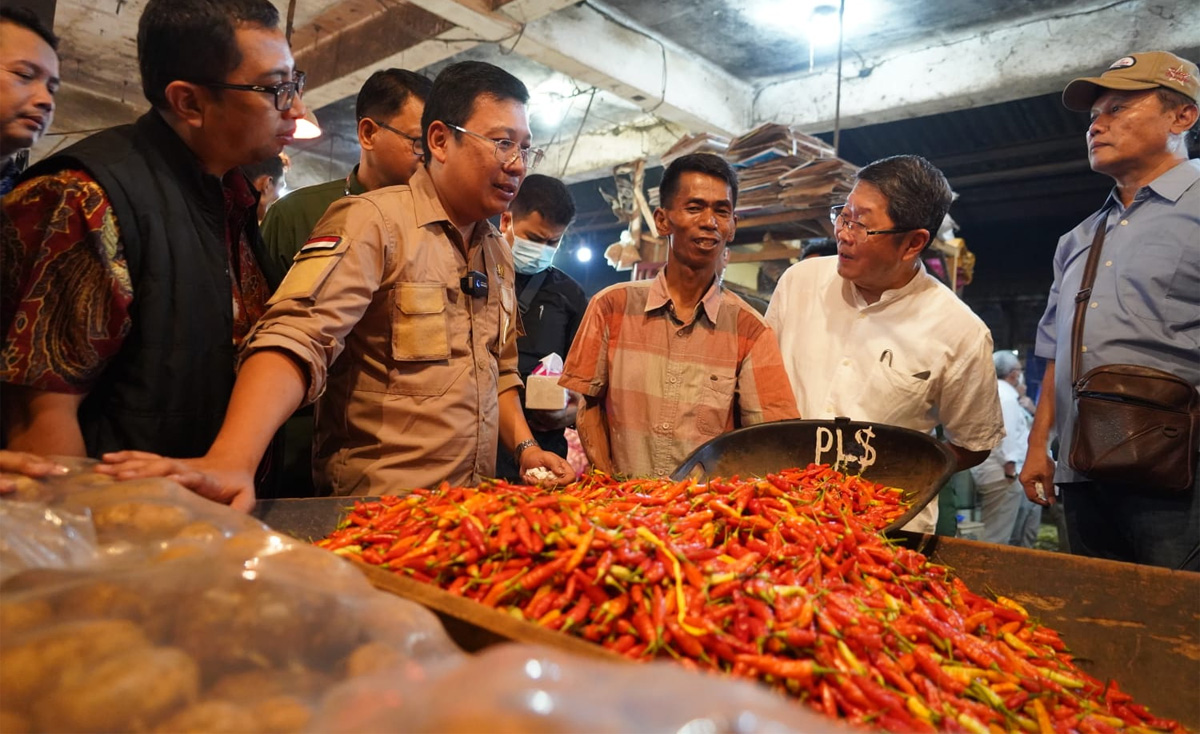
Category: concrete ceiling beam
[1029,58]
[601,49]
[347,43]
[343,46]
[81,112]
[597,151]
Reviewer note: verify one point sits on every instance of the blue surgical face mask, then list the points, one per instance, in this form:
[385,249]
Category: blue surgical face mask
[531,257]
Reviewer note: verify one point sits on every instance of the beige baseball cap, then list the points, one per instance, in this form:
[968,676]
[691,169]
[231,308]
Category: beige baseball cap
[1134,72]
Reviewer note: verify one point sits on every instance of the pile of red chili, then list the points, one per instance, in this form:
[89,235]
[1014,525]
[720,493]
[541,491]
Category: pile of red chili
[783,579]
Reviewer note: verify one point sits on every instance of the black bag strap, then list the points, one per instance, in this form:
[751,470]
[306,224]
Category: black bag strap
[1085,294]
[530,291]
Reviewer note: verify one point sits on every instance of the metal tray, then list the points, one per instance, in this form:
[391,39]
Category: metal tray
[893,456]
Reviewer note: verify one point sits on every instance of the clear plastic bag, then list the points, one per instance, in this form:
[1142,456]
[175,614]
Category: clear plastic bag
[519,688]
[133,521]
[248,637]
[33,535]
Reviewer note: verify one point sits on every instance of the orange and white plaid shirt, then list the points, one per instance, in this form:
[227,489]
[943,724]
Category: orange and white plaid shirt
[667,386]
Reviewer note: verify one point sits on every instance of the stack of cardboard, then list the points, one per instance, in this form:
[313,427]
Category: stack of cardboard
[781,169]
[698,143]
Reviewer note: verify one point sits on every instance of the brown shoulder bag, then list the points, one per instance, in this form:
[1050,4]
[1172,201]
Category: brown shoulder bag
[1136,425]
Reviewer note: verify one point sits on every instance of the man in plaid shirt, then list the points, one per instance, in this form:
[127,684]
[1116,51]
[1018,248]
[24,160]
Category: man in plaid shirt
[667,364]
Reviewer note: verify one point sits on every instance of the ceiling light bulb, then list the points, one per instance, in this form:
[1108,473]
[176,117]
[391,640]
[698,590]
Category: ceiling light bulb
[823,25]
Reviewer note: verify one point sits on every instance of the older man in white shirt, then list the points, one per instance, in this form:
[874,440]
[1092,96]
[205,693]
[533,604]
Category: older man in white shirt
[872,336]
[996,478]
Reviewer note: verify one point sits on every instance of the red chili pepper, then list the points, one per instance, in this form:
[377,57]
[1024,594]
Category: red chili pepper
[645,627]
[542,574]
[756,578]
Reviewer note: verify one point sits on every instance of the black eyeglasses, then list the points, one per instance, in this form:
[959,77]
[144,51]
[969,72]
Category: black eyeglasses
[417,147]
[858,229]
[285,92]
[507,151]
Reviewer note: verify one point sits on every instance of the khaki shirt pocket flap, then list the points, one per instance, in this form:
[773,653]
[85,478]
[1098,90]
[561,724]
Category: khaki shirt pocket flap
[419,323]
[421,298]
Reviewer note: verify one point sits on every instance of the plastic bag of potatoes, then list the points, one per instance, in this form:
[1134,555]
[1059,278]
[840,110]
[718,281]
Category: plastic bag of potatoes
[85,518]
[246,637]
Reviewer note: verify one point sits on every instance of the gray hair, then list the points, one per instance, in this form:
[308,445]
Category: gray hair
[1005,362]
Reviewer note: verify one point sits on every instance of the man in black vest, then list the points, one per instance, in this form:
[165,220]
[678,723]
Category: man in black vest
[131,259]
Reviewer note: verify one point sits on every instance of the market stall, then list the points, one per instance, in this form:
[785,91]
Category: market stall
[1132,624]
[138,606]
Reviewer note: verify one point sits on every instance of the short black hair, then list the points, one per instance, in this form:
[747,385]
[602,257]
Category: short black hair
[547,196]
[384,93]
[918,194]
[822,247]
[707,163]
[272,167]
[452,99]
[29,20]
[193,40]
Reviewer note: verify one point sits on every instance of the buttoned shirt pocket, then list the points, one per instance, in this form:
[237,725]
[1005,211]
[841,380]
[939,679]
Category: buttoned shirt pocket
[420,328]
[908,398]
[310,268]
[1150,285]
[714,404]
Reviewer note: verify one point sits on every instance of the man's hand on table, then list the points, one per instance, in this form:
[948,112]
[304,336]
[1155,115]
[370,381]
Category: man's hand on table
[207,477]
[16,464]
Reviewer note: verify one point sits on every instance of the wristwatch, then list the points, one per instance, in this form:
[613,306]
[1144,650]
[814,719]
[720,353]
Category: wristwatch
[520,448]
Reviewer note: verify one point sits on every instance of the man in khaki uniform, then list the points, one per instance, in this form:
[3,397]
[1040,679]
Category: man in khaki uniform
[399,316]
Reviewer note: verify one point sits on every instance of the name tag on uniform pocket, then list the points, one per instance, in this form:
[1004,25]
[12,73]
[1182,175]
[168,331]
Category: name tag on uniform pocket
[317,244]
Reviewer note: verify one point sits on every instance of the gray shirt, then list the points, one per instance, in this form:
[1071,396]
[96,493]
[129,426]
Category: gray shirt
[1145,302]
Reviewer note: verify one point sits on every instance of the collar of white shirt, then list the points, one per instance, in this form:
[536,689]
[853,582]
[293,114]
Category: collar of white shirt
[855,297]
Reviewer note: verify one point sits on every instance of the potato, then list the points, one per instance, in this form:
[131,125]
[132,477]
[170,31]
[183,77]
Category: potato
[251,686]
[104,599]
[200,530]
[138,522]
[40,661]
[371,658]
[101,492]
[14,723]
[257,624]
[20,615]
[217,717]
[127,692]
[282,714]
[176,551]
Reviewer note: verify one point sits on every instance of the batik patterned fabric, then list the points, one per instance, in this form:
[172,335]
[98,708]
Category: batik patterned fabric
[65,288]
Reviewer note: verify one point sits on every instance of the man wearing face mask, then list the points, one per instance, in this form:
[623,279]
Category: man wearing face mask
[551,303]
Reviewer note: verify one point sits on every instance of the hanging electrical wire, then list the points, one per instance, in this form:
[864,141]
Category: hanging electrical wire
[837,105]
[578,132]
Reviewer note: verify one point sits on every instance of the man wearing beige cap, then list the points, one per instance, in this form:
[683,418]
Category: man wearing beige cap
[1143,307]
